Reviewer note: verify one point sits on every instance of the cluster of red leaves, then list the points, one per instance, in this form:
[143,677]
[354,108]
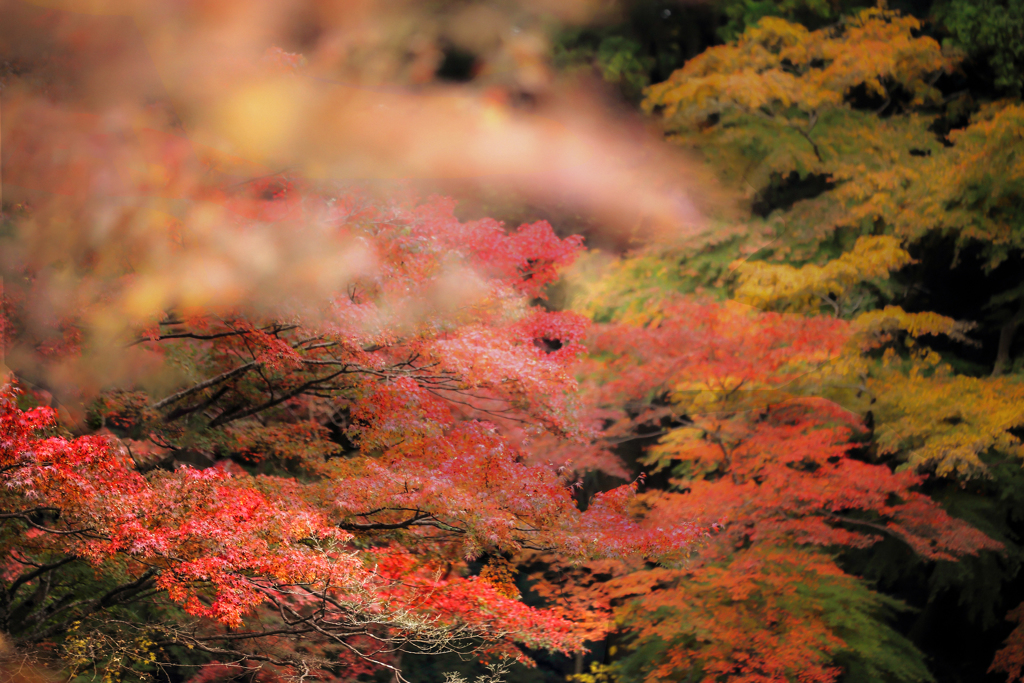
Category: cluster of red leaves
[81,496]
[1010,659]
[222,543]
[754,454]
[440,371]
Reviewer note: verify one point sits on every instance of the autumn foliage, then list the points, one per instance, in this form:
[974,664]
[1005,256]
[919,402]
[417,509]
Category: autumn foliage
[839,117]
[349,541]
[754,451]
[265,422]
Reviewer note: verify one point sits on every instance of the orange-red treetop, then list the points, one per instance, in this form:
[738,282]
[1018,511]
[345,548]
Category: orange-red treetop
[784,477]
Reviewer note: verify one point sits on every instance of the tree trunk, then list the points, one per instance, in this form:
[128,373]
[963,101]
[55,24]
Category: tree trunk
[1006,335]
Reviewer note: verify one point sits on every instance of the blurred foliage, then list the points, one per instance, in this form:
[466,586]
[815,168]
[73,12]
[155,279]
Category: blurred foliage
[992,31]
[875,174]
[742,14]
[619,60]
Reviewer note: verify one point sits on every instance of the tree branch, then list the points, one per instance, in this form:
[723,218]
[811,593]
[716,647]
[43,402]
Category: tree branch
[374,526]
[223,377]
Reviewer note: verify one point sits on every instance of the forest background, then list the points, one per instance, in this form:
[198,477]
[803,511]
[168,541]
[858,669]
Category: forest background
[739,401]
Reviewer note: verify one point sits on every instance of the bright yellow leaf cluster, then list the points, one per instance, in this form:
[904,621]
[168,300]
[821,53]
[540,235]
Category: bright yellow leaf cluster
[875,328]
[776,65]
[805,289]
[944,421]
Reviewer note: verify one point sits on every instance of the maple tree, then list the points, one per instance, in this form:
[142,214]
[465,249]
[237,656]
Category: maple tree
[852,155]
[270,424]
[287,531]
[751,445]
[261,421]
